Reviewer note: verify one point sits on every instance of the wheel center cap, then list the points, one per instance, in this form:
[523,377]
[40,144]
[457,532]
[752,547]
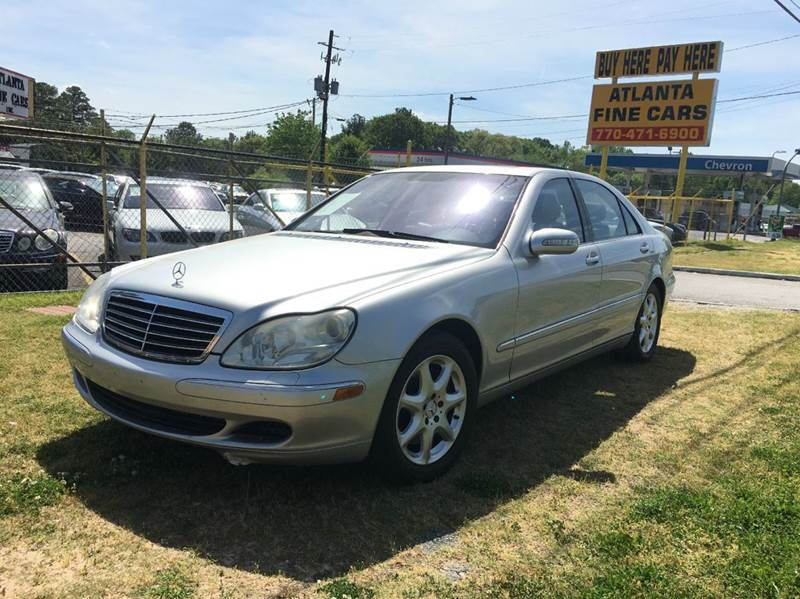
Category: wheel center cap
[430,409]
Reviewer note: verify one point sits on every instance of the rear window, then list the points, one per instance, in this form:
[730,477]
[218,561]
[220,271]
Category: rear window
[175,197]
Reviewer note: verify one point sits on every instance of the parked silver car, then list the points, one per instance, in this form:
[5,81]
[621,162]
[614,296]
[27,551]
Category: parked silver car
[378,322]
[193,204]
[286,204]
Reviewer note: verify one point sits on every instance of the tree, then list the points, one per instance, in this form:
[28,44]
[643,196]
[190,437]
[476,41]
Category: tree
[350,150]
[251,142]
[185,134]
[395,129]
[74,107]
[292,135]
[354,125]
[45,105]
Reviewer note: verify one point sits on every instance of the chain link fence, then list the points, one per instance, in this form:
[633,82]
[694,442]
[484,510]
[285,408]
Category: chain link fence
[82,204]
[690,218]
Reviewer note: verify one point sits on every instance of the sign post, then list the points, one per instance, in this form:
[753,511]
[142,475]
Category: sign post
[662,113]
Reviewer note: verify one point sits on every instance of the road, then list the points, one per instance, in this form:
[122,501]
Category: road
[698,236]
[737,291]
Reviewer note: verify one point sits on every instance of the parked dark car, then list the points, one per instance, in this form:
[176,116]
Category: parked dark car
[81,192]
[678,229]
[701,221]
[20,244]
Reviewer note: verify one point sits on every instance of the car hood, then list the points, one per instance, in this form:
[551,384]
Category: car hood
[194,220]
[43,219]
[292,271]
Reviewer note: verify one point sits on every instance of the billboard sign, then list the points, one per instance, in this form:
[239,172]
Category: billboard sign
[698,57]
[16,95]
[663,113]
[708,165]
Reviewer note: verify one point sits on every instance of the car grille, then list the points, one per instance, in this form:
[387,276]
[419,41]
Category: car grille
[154,417]
[173,237]
[162,328]
[6,239]
[180,237]
[203,236]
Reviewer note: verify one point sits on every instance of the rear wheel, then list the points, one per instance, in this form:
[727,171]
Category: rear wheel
[647,327]
[429,409]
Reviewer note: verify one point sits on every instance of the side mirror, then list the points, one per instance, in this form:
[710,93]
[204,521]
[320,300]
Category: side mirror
[66,207]
[553,241]
[110,205]
[259,207]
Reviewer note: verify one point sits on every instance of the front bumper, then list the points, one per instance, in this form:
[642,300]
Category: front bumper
[305,425]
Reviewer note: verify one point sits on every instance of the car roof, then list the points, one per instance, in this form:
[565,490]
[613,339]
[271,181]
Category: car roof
[499,169]
[169,181]
[289,189]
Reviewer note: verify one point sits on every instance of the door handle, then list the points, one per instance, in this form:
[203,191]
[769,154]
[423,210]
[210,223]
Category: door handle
[592,259]
[644,248]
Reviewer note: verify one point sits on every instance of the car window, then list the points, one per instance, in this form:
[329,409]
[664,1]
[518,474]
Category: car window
[631,226]
[24,193]
[604,210]
[176,197]
[254,199]
[556,208]
[458,207]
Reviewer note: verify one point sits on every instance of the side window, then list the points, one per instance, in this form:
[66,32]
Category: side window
[556,208]
[630,223]
[604,210]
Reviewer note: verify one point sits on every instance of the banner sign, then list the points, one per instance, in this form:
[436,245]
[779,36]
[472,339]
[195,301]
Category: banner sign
[699,57]
[663,113]
[16,95]
[694,164]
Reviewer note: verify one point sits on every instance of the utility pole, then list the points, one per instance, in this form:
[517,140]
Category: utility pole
[449,125]
[783,180]
[324,87]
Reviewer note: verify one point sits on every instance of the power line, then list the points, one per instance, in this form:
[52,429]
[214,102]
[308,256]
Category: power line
[788,12]
[468,91]
[779,39]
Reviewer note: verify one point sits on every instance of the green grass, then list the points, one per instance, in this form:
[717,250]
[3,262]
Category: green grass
[782,257]
[680,478]
[170,583]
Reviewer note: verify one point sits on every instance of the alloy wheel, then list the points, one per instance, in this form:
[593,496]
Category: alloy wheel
[648,323]
[431,409]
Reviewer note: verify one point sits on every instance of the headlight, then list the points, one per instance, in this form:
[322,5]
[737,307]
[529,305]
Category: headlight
[231,235]
[291,342]
[42,244]
[133,235]
[87,316]
[23,243]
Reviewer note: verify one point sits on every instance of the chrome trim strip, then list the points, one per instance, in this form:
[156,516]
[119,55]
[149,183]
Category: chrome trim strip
[567,322]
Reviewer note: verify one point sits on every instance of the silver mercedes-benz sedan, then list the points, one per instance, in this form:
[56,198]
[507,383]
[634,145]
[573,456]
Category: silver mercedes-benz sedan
[377,323]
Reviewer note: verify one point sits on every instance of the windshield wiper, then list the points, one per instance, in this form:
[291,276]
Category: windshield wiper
[393,234]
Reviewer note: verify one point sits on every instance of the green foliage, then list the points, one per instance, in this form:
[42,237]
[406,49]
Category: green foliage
[354,125]
[341,588]
[292,135]
[184,134]
[395,129]
[349,149]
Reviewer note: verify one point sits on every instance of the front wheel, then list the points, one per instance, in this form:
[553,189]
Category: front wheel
[429,409]
[647,328]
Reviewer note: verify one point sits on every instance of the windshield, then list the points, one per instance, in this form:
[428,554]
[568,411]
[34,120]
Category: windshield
[176,197]
[97,185]
[467,208]
[24,193]
[294,201]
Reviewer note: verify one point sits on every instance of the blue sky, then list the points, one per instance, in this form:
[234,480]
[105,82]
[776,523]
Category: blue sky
[200,57]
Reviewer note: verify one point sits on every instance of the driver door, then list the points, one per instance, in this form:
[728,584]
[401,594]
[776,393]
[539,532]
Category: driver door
[557,293]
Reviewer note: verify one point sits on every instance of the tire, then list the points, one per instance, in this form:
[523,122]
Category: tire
[647,328]
[441,423]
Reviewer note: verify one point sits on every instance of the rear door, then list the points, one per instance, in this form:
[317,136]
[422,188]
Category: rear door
[557,293]
[627,255]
